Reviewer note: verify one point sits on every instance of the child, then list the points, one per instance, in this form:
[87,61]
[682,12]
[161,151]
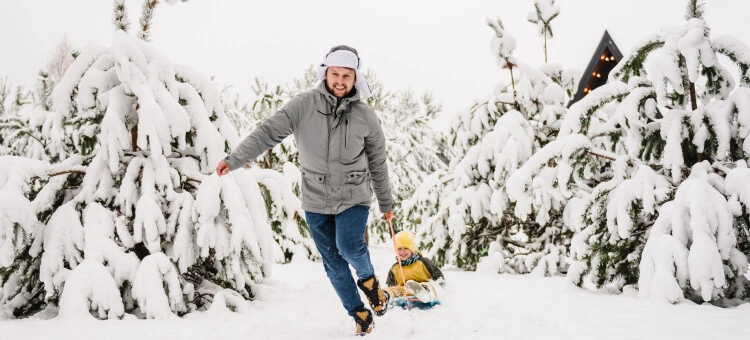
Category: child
[418,271]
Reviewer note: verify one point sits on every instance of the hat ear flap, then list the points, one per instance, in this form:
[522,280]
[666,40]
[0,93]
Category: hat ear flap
[322,71]
[361,84]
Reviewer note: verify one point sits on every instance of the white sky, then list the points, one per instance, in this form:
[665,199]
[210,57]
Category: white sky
[409,43]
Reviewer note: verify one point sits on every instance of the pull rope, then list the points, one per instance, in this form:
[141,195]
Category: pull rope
[400,267]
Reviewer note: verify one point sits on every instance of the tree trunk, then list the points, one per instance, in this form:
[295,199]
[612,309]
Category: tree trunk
[693,99]
[134,138]
[694,106]
[545,43]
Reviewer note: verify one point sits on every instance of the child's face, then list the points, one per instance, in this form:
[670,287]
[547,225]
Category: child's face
[403,253]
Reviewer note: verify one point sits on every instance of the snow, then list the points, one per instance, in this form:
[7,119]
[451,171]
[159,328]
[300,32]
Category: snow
[691,239]
[67,85]
[90,286]
[546,10]
[696,48]
[583,109]
[298,302]
[99,228]
[63,243]
[672,134]
[737,50]
[155,274]
[231,229]
[502,45]
[16,208]
[494,262]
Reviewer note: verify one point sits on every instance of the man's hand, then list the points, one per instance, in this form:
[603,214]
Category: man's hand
[388,216]
[222,169]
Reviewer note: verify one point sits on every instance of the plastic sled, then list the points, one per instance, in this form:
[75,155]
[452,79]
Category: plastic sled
[411,302]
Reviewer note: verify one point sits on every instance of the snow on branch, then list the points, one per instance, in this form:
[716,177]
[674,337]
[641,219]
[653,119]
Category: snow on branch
[227,227]
[18,222]
[63,244]
[580,116]
[91,288]
[155,275]
[535,185]
[694,234]
[736,51]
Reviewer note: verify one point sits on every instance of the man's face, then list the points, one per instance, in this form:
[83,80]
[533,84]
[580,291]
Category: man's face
[340,80]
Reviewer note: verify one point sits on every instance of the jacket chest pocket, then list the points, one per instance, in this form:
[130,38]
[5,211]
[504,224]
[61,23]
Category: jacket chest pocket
[314,191]
[353,143]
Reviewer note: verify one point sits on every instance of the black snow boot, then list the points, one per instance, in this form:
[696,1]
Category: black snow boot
[377,297]
[363,319]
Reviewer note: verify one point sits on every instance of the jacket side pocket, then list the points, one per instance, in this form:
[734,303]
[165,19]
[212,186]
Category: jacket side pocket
[358,183]
[314,190]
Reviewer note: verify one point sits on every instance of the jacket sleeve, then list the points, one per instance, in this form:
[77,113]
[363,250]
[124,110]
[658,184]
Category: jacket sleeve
[391,280]
[271,132]
[377,163]
[432,269]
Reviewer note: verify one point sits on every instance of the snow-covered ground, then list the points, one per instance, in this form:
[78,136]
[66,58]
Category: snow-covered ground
[299,303]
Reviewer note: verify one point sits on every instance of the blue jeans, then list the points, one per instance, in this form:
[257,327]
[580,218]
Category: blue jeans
[340,239]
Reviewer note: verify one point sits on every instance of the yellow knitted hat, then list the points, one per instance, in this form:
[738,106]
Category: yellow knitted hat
[405,239]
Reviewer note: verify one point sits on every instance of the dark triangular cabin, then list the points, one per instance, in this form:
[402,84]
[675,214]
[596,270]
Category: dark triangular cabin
[605,58]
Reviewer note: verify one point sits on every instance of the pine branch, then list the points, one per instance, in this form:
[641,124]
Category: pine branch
[120,16]
[635,63]
[601,154]
[190,179]
[695,9]
[515,243]
[512,80]
[545,43]
[146,17]
[44,145]
[734,54]
[693,97]
[66,172]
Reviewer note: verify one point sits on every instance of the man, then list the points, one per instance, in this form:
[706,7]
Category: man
[342,156]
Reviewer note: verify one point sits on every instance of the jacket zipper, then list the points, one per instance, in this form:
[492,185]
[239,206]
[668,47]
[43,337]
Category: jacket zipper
[346,135]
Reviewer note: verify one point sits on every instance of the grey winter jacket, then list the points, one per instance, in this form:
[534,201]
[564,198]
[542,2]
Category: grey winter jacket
[341,150]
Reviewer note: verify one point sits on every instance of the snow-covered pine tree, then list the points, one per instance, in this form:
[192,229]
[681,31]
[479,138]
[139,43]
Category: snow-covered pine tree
[290,231]
[462,212]
[21,123]
[267,102]
[43,92]
[236,109]
[669,214]
[25,131]
[134,221]
[415,149]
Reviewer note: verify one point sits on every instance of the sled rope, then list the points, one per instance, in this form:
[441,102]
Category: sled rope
[400,267]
